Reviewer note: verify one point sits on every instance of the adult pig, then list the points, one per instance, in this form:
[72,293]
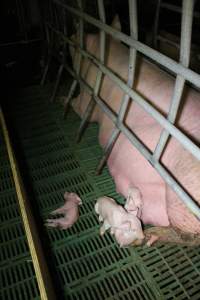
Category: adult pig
[161,205]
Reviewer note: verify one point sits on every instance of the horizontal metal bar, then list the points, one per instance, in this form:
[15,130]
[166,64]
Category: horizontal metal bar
[186,33]
[176,8]
[22,42]
[174,43]
[167,62]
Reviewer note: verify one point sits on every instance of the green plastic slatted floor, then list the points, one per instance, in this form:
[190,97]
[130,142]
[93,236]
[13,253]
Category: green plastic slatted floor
[87,266]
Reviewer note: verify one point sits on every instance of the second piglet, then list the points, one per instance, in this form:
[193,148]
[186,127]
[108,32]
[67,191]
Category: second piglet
[124,226]
[69,211]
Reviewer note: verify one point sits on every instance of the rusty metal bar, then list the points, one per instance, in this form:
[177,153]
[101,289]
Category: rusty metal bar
[185,45]
[131,74]
[99,76]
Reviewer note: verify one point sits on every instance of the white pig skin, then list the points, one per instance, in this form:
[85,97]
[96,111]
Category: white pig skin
[69,210]
[126,227]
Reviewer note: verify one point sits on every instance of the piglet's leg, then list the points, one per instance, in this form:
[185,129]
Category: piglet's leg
[61,223]
[104,227]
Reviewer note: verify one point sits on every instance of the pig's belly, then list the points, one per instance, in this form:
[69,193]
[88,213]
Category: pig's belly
[129,168]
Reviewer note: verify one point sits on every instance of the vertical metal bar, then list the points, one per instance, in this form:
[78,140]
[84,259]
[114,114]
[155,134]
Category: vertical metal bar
[78,65]
[61,68]
[22,19]
[92,103]
[50,40]
[185,45]
[48,55]
[131,75]
[156,24]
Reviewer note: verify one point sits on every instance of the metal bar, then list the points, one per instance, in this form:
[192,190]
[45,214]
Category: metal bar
[22,42]
[38,258]
[184,140]
[156,23]
[78,66]
[58,77]
[21,18]
[178,9]
[61,67]
[49,54]
[99,76]
[162,59]
[185,45]
[130,81]
[174,43]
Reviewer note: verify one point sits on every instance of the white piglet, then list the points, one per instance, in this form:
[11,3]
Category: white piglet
[69,211]
[125,226]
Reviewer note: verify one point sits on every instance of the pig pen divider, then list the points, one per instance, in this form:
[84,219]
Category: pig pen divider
[182,73]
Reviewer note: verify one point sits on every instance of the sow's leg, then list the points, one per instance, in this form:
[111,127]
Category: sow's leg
[170,235]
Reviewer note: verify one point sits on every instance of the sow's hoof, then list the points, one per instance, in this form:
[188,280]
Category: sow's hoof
[170,235]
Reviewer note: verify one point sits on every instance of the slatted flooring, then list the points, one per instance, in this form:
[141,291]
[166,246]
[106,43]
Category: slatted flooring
[86,266]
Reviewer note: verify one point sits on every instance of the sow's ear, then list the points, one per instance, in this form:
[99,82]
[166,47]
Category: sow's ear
[116,23]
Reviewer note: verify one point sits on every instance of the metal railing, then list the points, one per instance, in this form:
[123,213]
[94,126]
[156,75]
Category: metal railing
[181,71]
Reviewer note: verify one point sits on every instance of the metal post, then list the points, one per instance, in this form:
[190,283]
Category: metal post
[156,24]
[78,65]
[49,38]
[185,45]
[131,75]
[61,67]
[92,103]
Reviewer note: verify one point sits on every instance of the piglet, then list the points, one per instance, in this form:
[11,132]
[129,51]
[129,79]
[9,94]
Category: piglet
[69,210]
[124,226]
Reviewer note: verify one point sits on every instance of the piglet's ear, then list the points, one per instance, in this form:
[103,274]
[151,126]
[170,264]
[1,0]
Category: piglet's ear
[66,195]
[126,225]
[79,200]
